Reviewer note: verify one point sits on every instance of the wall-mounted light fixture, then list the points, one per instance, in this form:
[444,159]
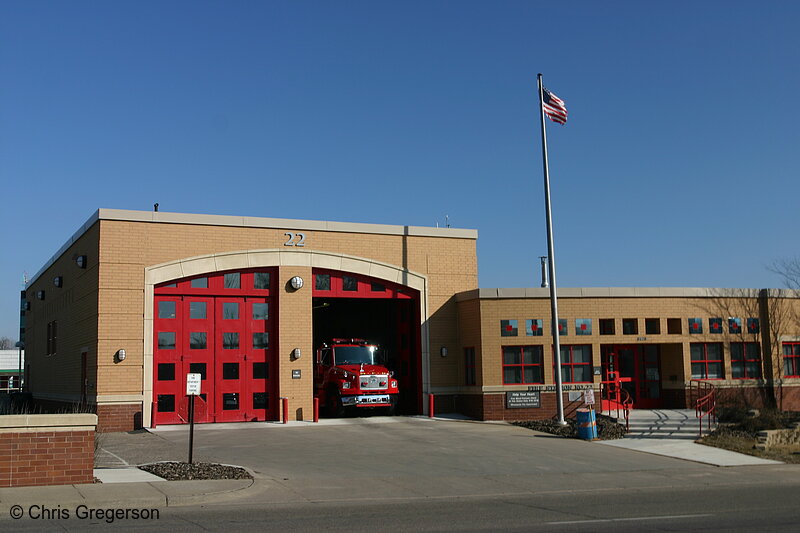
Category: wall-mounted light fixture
[296,283]
[443,351]
[120,355]
[58,281]
[81,261]
[40,295]
[296,354]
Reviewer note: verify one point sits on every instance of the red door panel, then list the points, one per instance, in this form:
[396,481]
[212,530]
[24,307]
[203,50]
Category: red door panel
[231,349]
[167,333]
[198,355]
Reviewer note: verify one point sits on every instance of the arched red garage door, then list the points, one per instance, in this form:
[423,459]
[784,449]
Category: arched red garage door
[220,326]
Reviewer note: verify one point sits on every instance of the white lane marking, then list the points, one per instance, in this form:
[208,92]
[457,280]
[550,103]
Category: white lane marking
[668,517]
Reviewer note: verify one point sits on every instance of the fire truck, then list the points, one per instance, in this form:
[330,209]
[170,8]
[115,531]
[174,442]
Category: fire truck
[350,373]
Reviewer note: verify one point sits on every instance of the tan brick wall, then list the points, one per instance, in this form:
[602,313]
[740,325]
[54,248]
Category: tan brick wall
[295,330]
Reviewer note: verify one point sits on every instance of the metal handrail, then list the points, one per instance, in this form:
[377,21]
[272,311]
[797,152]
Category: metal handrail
[705,397]
[612,391]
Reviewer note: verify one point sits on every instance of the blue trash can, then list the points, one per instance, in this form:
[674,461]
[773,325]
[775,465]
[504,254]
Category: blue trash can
[587,425]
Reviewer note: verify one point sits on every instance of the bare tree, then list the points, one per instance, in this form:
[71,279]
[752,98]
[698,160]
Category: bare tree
[6,343]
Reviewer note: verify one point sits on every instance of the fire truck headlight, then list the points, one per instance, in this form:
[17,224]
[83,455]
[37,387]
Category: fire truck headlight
[394,384]
[346,385]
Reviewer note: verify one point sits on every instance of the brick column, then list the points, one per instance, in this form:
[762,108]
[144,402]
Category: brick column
[295,330]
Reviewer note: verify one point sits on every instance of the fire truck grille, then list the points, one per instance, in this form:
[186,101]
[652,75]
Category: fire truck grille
[374,382]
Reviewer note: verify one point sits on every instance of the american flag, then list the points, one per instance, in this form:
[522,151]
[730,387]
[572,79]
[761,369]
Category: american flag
[554,107]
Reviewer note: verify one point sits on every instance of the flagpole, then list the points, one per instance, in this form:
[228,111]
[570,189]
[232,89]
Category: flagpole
[552,266]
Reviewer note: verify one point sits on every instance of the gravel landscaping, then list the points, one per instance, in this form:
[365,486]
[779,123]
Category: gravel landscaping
[176,471]
[607,428]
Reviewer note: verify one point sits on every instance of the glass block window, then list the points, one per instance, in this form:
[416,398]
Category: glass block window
[508,328]
[707,360]
[745,360]
[322,282]
[791,359]
[198,368]
[563,329]
[576,363]
[753,326]
[166,340]
[166,371]
[715,325]
[260,370]
[166,309]
[199,283]
[260,341]
[533,327]
[261,280]
[583,326]
[230,401]
[260,400]
[230,370]
[469,366]
[522,364]
[695,326]
[197,310]
[652,326]
[349,283]
[230,311]
[232,281]
[630,326]
[260,311]
[734,325]
[230,341]
[197,340]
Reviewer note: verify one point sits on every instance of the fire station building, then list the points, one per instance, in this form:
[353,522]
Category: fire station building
[136,300]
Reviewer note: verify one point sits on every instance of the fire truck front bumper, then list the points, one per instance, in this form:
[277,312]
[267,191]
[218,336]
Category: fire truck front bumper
[368,400]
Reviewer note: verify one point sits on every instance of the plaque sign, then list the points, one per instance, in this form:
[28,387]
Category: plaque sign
[523,399]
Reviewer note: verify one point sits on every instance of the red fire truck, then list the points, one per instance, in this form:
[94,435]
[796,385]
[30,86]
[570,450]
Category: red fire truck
[350,373]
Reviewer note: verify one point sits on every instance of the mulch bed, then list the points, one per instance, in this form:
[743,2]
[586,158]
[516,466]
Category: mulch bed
[176,471]
[607,428]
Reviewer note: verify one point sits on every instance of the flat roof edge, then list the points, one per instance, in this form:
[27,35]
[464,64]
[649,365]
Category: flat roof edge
[622,292]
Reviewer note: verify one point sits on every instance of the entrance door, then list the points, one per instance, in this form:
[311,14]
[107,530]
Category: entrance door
[640,365]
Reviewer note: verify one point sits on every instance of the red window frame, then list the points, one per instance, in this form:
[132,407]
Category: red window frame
[470,377]
[791,360]
[567,363]
[522,365]
[743,360]
[705,361]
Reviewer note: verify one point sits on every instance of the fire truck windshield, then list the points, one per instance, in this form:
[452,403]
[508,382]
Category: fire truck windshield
[354,355]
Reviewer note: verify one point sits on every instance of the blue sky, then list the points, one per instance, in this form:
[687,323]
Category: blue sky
[678,166]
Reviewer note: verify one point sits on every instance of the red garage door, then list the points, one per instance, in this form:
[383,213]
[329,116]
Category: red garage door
[220,327]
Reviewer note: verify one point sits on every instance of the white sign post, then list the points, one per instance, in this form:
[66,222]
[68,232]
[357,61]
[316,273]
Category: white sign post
[588,396]
[192,390]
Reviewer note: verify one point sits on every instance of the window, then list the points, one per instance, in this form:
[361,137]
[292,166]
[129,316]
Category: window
[261,280]
[791,359]
[52,336]
[197,340]
[674,326]
[469,366]
[166,371]
[198,368]
[166,340]
[715,325]
[197,310]
[230,370]
[533,327]
[562,327]
[259,400]
[322,282]
[260,341]
[230,341]
[508,328]
[583,326]
[166,403]
[630,326]
[745,360]
[260,311]
[576,363]
[230,311]
[707,360]
[232,281]
[199,283]
[166,309]
[652,326]
[230,401]
[695,326]
[522,364]
[734,325]
[260,370]
[349,283]
[606,326]
[753,326]
[377,287]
